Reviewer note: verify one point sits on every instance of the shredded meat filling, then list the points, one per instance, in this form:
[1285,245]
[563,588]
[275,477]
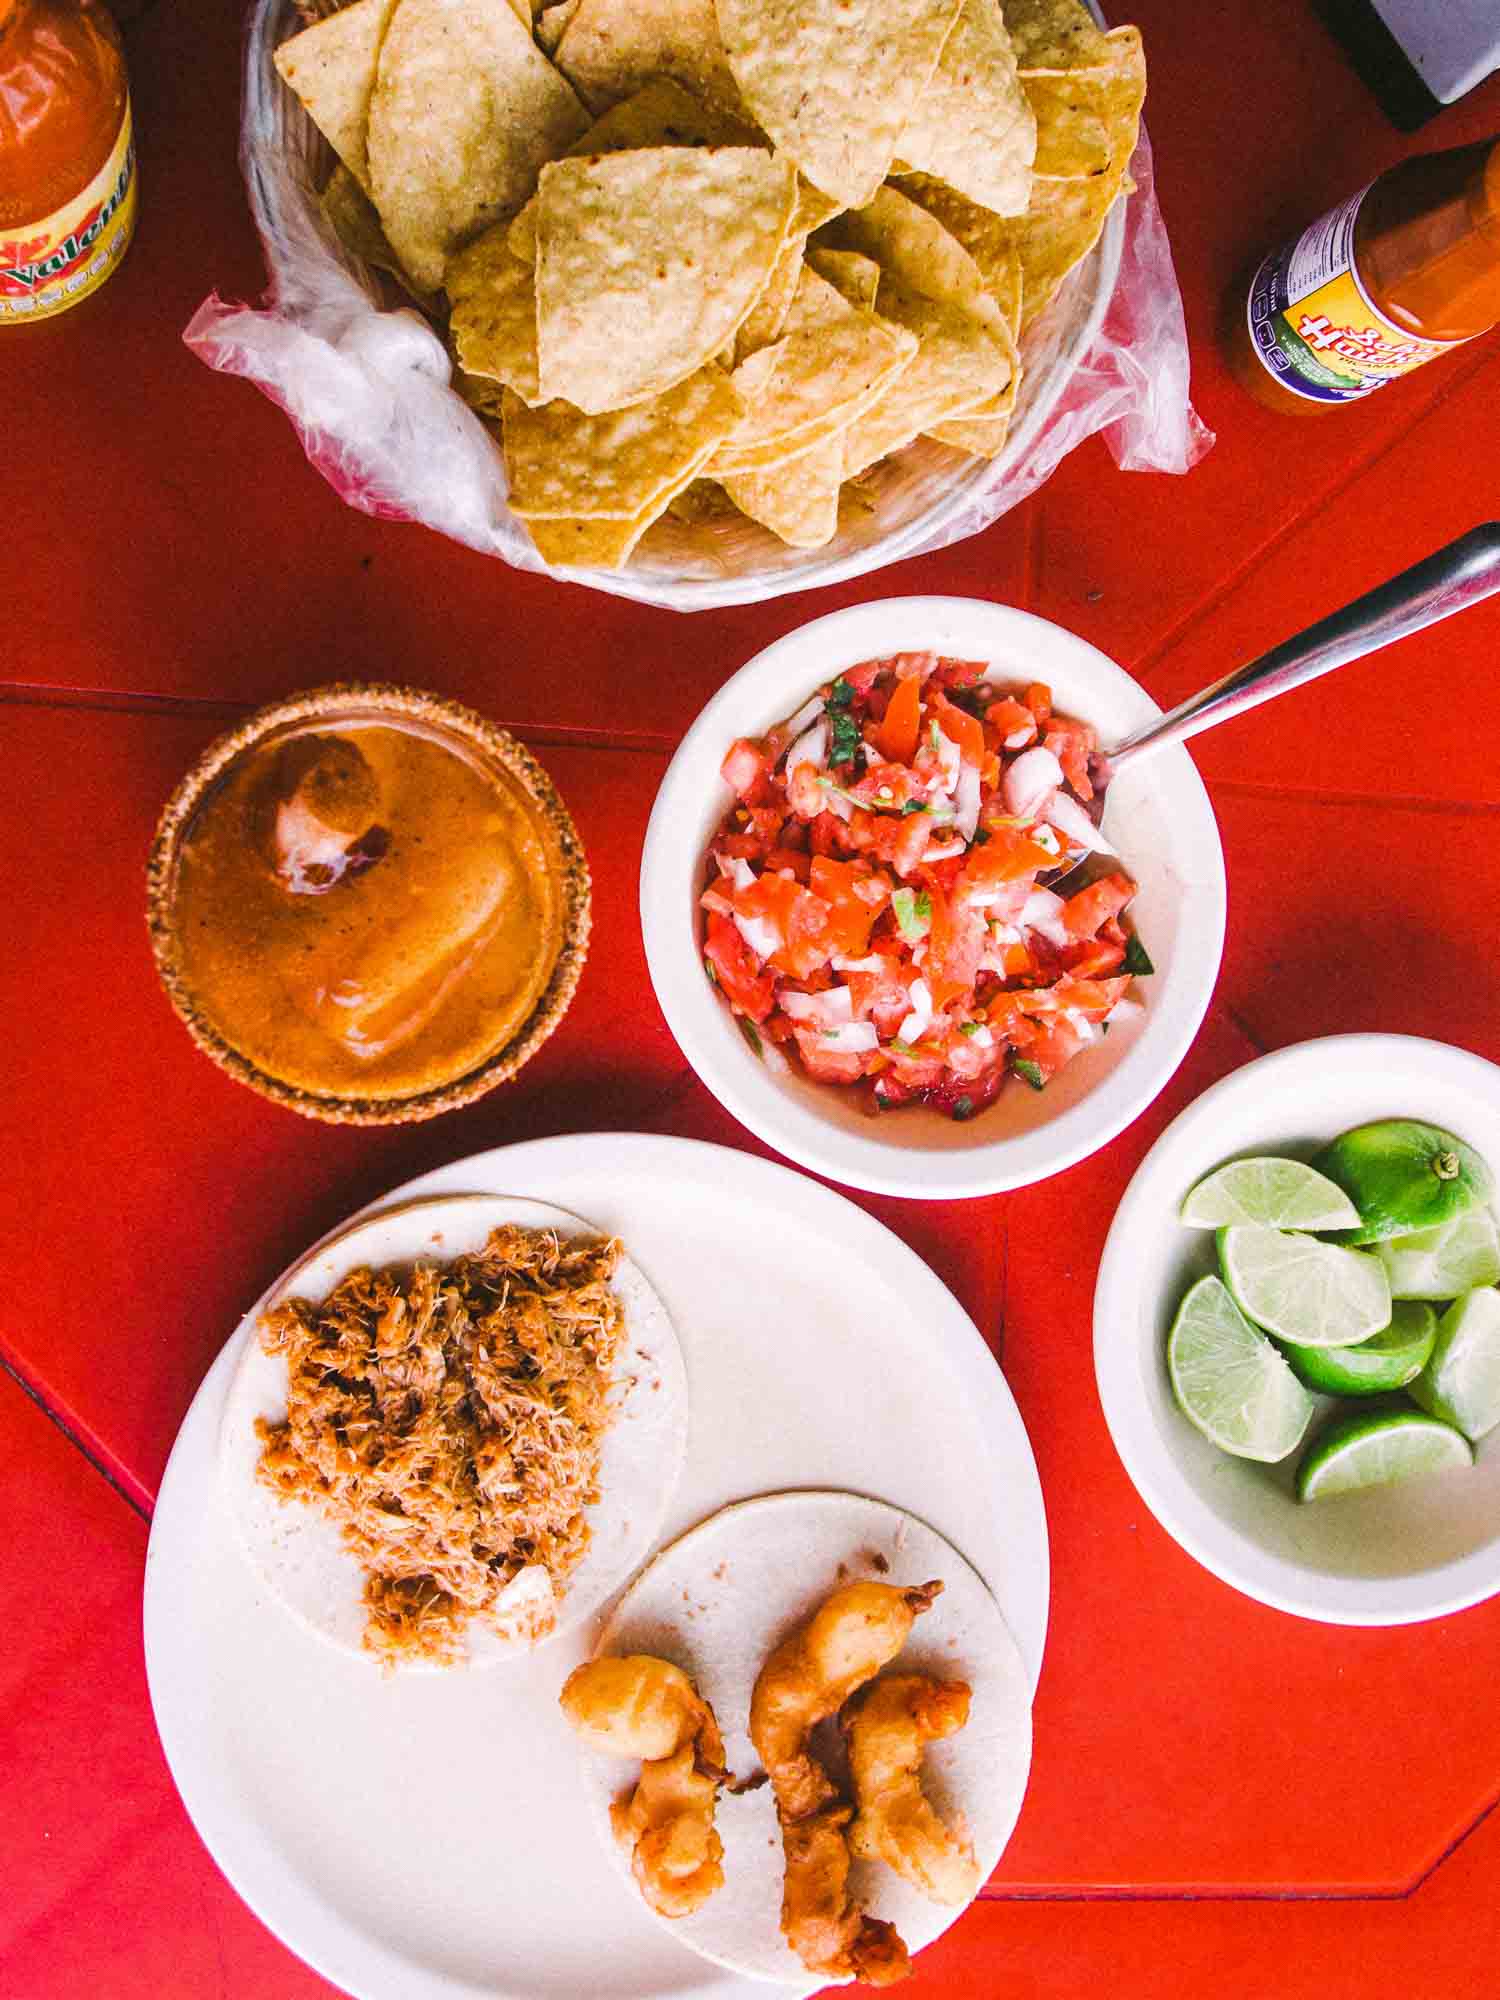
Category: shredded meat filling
[449,1418]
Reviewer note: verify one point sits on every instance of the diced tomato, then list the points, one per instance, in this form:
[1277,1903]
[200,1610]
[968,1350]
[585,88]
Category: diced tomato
[897,736]
[767,822]
[847,886]
[885,786]
[1092,997]
[863,677]
[739,846]
[796,859]
[746,769]
[1084,913]
[824,1064]
[1039,701]
[1011,854]
[1091,956]
[1018,961]
[964,1096]
[966,730]
[1054,1046]
[955,945]
[748,991]
[908,666]
[1070,743]
[825,834]
[1008,717]
[959,673]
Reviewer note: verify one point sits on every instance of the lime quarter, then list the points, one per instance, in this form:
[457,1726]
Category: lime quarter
[1403,1176]
[1461,1382]
[1230,1381]
[1310,1293]
[1441,1263]
[1387,1360]
[1277,1194]
[1359,1451]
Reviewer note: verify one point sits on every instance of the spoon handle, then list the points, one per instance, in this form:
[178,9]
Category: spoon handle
[1450,580]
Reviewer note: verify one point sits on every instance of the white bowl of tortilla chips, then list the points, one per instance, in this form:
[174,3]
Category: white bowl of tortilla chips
[752,295]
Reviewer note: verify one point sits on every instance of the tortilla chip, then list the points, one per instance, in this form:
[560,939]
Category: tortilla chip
[662,113]
[466,110]
[768,316]
[331,67]
[563,465]
[493,318]
[1053,34]
[960,361]
[834,86]
[351,216]
[486,398]
[1057,231]
[521,233]
[916,246]
[1089,120]
[594,543]
[612,47]
[799,501]
[972,125]
[830,364]
[981,437]
[856,276]
[702,500]
[552,24]
[648,264]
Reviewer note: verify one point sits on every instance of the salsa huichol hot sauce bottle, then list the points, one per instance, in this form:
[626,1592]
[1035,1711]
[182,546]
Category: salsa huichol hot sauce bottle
[1396,276]
[67,158]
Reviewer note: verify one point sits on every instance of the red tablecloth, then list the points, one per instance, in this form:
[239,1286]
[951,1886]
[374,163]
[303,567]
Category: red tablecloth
[1223,1799]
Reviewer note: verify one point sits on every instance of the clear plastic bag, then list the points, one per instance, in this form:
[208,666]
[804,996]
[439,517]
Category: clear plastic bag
[368,389]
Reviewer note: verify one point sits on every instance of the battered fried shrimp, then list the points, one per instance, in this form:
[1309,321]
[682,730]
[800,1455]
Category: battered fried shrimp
[809,1676]
[888,1727]
[639,1706]
[812,1673]
[830,1934]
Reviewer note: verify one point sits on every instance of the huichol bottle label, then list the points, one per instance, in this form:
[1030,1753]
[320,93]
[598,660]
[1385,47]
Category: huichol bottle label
[52,263]
[1313,326]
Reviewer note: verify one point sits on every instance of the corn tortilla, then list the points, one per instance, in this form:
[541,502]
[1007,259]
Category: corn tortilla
[331,66]
[973,126]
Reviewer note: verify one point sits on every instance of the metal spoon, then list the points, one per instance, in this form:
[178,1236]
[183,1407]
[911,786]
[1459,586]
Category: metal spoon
[1451,579]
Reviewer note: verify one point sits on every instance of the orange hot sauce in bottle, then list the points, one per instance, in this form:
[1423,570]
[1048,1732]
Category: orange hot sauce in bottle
[67,159]
[1391,279]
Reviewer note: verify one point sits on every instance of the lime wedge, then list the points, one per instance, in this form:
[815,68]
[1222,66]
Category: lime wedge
[1310,1293]
[1404,1176]
[1440,1263]
[1230,1381]
[1358,1450]
[1277,1194]
[1387,1360]
[1461,1383]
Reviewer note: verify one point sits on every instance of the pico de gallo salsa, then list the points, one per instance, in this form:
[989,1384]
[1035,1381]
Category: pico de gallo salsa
[874,909]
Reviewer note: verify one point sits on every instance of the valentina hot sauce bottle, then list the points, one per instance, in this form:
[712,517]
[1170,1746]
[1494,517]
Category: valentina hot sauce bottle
[1395,277]
[67,159]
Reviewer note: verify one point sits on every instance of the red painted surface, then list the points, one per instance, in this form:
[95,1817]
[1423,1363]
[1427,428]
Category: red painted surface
[170,556]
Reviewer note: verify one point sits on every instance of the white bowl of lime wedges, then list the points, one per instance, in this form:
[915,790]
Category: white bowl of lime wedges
[1297,1341]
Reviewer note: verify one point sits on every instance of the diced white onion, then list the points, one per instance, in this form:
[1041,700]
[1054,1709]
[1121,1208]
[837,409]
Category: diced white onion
[739,871]
[854,1038]
[949,850]
[966,803]
[825,1010]
[811,747]
[772,1057]
[1125,1009]
[808,713]
[720,905]
[919,1020]
[982,1038]
[874,963]
[1019,738]
[1031,781]
[762,936]
[1070,819]
[1043,914]
[950,761]
[1081,1023]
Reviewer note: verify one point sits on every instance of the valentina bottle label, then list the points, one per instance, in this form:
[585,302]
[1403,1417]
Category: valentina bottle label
[1313,326]
[51,264]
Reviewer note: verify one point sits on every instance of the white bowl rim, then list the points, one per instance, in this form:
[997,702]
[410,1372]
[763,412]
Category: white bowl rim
[1235,1558]
[881,1165]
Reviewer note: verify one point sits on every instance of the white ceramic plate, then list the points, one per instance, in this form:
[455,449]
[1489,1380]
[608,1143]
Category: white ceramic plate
[425,1837]
[1158,815]
[1387,1557]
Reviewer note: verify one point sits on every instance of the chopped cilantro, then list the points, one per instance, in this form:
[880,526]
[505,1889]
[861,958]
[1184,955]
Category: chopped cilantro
[1137,958]
[981,836]
[845,738]
[1029,1072]
[975,698]
[912,909]
[936,737]
[839,695]
[968,1027]
[708,967]
[963,1107]
[751,1033]
[913,806]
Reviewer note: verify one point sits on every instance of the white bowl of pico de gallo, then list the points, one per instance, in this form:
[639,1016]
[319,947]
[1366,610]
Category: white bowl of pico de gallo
[847,910]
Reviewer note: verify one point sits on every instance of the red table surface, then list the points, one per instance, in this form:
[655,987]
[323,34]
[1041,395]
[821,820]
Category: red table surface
[1223,1798]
